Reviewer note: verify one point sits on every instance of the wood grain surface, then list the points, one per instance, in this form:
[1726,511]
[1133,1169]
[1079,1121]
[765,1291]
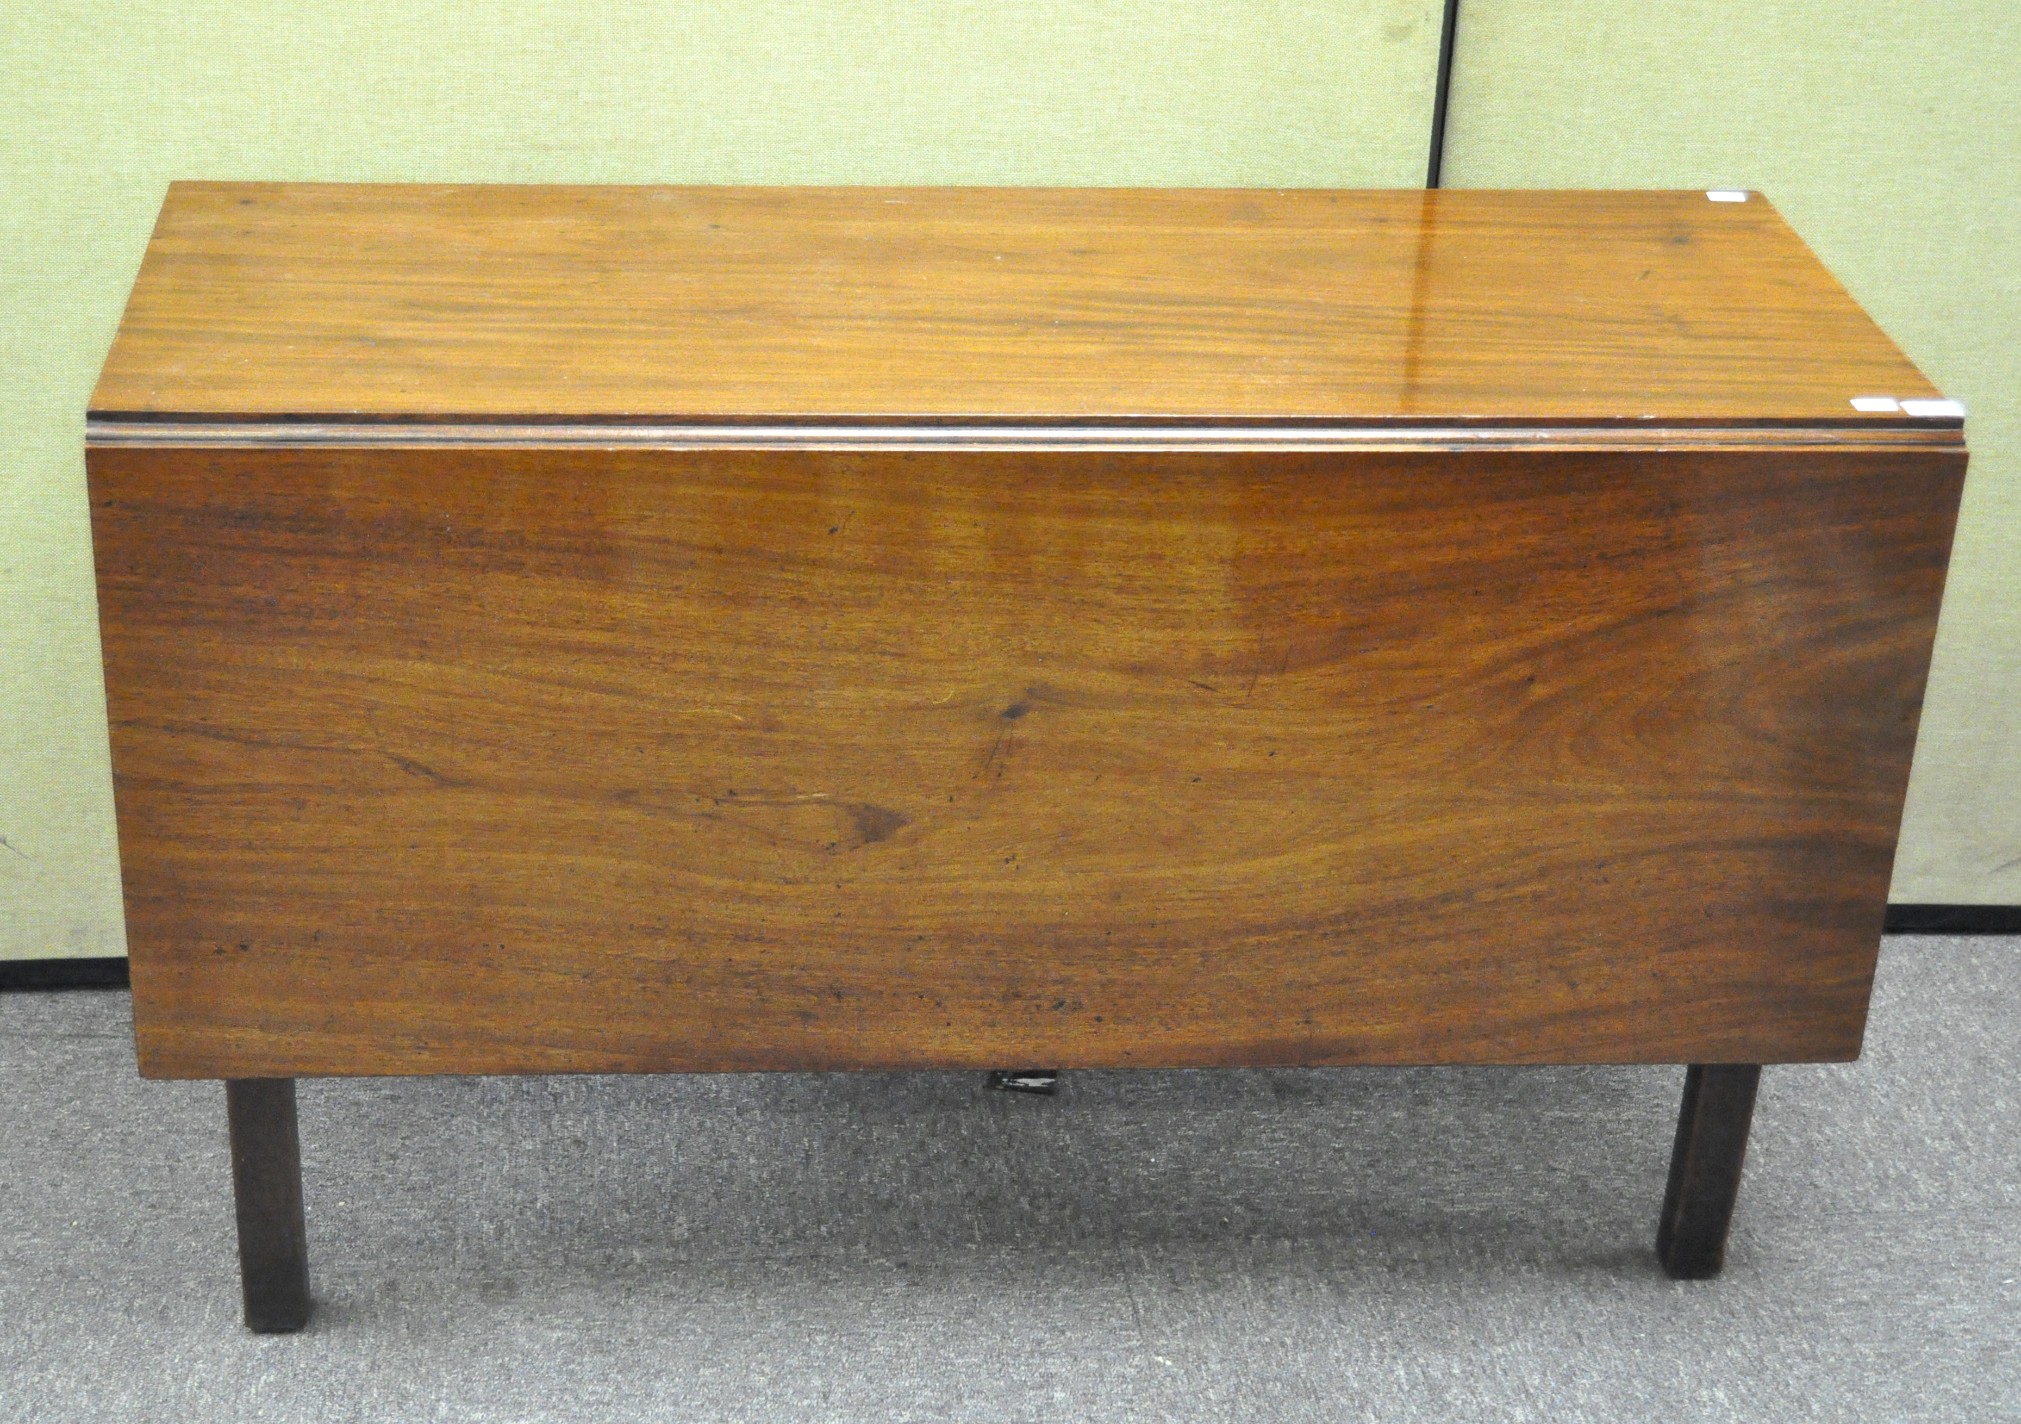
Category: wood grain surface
[540,760]
[628,629]
[425,304]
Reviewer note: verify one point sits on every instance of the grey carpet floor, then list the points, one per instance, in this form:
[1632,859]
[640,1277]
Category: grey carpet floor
[1392,1245]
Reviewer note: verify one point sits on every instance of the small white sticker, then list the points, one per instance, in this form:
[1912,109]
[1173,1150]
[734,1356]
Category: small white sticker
[1875,404]
[1933,409]
[1726,195]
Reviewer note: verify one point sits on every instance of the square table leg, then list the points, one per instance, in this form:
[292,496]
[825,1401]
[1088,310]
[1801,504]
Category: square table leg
[267,1190]
[1705,1168]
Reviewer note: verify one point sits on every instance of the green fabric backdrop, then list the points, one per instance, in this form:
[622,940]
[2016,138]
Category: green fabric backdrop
[101,104]
[1890,136]
[1891,146]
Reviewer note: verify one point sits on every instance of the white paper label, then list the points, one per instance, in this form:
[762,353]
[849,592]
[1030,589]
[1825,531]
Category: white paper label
[1875,404]
[1726,195]
[1933,409]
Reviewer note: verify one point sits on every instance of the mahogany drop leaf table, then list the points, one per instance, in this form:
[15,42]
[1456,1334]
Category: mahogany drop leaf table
[704,629]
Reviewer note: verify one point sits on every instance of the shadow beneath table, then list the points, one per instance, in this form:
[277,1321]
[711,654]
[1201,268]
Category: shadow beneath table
[1553,1167]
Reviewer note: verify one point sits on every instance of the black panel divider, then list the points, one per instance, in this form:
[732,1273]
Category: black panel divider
[1441,96]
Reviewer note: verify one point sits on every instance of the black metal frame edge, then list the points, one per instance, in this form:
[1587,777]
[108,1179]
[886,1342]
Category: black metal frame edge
[1954,919]
[109,973]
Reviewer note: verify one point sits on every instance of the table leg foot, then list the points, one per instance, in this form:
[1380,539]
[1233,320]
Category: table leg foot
[1705,1168]
[267,1190]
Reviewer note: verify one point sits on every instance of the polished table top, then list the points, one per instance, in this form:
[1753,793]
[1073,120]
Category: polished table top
[436,304]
